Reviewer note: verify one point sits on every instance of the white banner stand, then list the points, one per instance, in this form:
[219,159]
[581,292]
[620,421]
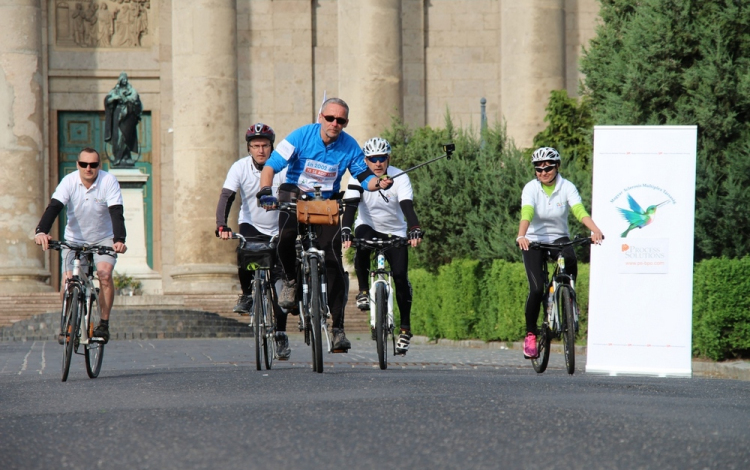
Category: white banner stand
[641,288]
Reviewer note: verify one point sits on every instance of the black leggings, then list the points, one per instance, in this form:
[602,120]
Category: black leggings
[533,261]
[398,258]
[329,240]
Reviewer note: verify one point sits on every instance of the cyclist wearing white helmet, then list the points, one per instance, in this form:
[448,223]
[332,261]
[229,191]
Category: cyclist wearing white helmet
[546,202]
[382,214]
[254,222]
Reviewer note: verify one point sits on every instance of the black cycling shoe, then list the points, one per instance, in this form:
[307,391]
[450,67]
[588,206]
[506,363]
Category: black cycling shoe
[244,305]
[340,343]
[363,301]
[283,351]
[402,345]
[102,332]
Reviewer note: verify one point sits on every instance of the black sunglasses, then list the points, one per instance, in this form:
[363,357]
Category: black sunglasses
[88,164]
[340,121]
[545,169]
[380,159]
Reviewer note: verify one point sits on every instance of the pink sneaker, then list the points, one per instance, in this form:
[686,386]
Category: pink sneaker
[529,346]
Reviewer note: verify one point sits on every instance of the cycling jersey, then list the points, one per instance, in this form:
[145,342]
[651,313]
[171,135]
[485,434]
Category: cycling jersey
[381,209]
[243,176]
[310,162]
[550,219]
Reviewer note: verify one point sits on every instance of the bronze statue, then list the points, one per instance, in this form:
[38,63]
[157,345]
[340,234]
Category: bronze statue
[122,113]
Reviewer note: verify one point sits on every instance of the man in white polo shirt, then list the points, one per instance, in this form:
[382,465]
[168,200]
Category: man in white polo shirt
[381,214]
[95,217]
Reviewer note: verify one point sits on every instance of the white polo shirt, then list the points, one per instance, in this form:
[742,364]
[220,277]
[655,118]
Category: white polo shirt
[550,221]
[373,210]
[244,178]
[88,209]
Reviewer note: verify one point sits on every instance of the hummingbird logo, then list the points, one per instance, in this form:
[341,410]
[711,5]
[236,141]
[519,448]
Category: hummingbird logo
[636,216]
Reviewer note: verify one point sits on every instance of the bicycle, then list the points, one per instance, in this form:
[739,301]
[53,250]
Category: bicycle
[381,294]
[561,315]
[313,297]
[81,309]
[258,255]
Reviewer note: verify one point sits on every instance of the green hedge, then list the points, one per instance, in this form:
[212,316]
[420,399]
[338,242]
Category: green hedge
[469,299]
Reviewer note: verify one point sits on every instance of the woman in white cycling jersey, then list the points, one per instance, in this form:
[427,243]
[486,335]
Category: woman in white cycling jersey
[546,202]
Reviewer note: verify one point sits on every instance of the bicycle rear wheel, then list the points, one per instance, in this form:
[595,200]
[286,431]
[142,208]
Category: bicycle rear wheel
[316,307]
[568,328]
[381,327]
[93,351]
[258,330]
[542,346]
[269,327]
[69,330]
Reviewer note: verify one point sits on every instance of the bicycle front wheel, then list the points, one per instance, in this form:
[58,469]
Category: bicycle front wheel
[542,346]
[93,351]
[69,330]
[568,328]
[316,299]
[258,330]
[381,326]
[269,327]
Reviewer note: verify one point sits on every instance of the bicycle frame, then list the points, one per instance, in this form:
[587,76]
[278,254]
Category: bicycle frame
[381,276]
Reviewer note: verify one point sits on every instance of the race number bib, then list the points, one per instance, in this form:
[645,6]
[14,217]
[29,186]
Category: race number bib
[317,174]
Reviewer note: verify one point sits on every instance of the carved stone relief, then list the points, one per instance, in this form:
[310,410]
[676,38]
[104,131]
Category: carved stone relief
[102,23]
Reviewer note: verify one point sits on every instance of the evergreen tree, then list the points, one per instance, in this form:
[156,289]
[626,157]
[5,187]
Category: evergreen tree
[683,62]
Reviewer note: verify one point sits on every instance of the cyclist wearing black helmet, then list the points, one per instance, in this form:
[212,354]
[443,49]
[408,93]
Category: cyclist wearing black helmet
[546,202]
[244,176]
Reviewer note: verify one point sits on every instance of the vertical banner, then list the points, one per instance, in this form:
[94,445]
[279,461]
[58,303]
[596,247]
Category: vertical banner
[641,292]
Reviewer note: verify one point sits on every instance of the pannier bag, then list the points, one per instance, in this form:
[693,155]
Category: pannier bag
[318,212]
[256,255]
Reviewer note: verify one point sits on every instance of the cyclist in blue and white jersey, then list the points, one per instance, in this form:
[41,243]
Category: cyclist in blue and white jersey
[254,222]
[380,215]
[546,202]
[317,155]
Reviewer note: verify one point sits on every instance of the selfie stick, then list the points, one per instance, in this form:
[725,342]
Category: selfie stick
[448,148]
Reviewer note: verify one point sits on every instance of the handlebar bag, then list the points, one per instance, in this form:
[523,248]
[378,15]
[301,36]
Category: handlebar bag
[318,212]
[256,255]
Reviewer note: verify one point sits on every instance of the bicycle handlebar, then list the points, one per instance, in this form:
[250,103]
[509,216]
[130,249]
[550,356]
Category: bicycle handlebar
[556,246]
[380,243]
[85,249]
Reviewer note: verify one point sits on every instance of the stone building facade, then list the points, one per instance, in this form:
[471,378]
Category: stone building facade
[207,69]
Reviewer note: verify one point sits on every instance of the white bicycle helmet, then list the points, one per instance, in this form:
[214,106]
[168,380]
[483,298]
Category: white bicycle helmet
[545,154]
[376,146]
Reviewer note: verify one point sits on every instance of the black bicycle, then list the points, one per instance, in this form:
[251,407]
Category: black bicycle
[560,320]
[258,255]
[381,294]
[81,309]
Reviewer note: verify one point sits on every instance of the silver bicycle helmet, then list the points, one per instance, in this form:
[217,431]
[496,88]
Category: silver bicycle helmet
[376,146]
[545,154]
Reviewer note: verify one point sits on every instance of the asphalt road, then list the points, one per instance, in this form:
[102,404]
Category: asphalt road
[200,403]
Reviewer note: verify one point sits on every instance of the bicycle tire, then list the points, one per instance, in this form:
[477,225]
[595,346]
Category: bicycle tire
[316,308]
[269,327]
[568,329]
[542,346]
[94,352]
[258,330]
[69,330]
[381,329]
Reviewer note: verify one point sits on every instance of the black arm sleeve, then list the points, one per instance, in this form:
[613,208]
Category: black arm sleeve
[407,207]
[118,223]
[363,176]
[50,214]
[225,203]
[350,206]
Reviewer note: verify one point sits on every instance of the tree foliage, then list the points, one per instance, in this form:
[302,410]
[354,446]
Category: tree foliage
[683,62]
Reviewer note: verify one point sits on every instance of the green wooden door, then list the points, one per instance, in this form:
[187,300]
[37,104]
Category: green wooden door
[77,130]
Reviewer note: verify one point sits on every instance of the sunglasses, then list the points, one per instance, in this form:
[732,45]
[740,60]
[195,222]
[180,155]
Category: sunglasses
[88,164]
[381,159]
[340,121]
[545,169]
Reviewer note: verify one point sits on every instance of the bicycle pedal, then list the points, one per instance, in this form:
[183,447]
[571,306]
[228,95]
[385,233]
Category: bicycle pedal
[96,339]
[339,351]
[243,314]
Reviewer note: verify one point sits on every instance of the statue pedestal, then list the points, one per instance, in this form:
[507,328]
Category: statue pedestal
[134,262]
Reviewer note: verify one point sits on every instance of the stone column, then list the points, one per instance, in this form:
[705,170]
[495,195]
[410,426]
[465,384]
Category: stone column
[204,38]
[532,63]
[22,184]
[370,64]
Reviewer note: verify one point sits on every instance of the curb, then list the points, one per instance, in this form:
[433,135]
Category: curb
[736,370]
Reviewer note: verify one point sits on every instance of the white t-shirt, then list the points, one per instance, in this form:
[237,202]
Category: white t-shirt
[384,217]
[550,221]
[244,178]
[88,209]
